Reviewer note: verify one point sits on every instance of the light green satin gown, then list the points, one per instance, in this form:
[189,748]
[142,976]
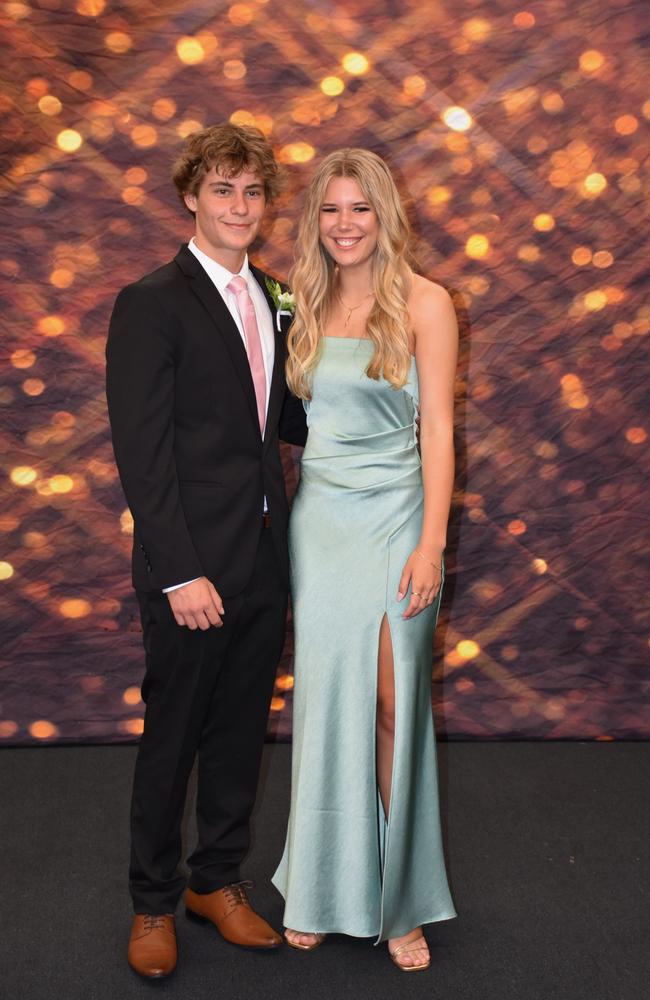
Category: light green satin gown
[356,518]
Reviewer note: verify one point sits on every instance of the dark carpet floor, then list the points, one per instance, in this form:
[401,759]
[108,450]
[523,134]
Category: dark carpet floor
[548,849]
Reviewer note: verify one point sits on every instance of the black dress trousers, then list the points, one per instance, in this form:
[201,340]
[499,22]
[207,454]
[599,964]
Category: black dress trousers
[206,693]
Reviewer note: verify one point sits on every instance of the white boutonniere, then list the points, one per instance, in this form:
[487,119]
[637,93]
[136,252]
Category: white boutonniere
[284,302]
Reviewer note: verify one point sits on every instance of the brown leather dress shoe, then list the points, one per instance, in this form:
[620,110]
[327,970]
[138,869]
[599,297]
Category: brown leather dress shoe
[231,913]
[152,948]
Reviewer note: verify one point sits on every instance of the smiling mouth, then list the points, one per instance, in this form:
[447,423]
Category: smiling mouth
[347,241]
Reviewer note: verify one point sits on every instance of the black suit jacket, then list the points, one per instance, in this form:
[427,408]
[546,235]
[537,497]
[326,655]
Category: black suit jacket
[186,436]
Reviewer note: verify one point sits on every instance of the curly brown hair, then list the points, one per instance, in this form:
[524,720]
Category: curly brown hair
[231,148]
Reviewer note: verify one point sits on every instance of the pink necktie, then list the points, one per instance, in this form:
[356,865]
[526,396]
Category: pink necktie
[253,343]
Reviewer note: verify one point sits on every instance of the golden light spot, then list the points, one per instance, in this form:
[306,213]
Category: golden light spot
[42,729]
[537,144]
[16,10]
[516,527]
[636,435]
[6,571]
[80,79]
[163,109]
[546,449]
[332,86]
[614,294]
[62,277]
[477,246]
[581,256]
[34,539]
[595,301]
[188,126]
[22,475]
[477,29]
[306,114]
[69,140]
[591,60]
[626,124]
[8,729]
[510,652]
[528,252]
[457,118]
[603,258]
[264,124]
[60,483]
[133,195]
[75,607]
[559,178]
[242,117]
[240,14]
[610,343]
[234,69]
[284,682]
[553,709]
[133,726]
[578,400]
[415,85]
[623,330]
[23,358]
[467,649]
[144,136]
[594,183]
[540,566]
[544,222]
[523,19]
[36,87]
[456,142]
[136,175]
[190,50]
[118,42]
[298,152]
[90,8]
[131,696]
[126,522]
[50,105]
[355,63]
[9,522]
[277,704]
[64,419]
[438,195]
[461,165]
[552,102]
[33,386]
[37,196]
[478,285]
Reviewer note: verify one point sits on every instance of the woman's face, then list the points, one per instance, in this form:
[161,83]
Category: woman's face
[348,223]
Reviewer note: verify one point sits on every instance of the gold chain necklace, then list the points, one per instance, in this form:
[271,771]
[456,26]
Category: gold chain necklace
[352,309]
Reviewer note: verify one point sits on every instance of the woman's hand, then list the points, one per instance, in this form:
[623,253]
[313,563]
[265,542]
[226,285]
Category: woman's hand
[424,576]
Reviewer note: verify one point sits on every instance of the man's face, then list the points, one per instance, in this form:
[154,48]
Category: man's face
[228,212]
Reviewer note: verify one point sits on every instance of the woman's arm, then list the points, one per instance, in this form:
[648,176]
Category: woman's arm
[435,330]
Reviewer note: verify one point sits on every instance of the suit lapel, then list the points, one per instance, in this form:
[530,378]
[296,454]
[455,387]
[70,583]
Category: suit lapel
[204,289]
[277,387]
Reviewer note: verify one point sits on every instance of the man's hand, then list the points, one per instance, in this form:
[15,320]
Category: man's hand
[197,605]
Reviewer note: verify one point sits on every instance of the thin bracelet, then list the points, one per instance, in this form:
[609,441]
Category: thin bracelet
[427,560]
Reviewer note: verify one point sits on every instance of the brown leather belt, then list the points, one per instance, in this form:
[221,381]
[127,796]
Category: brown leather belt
[266,520]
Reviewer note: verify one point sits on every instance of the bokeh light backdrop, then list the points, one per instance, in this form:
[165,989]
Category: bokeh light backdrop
[519,137]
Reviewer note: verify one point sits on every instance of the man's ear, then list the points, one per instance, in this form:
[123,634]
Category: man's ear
[190,201]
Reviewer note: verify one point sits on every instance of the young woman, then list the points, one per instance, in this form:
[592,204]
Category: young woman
[370,341]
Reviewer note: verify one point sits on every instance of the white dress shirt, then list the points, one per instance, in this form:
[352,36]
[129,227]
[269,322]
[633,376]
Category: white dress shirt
[221,277]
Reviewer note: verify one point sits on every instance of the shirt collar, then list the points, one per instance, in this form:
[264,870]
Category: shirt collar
[219,274]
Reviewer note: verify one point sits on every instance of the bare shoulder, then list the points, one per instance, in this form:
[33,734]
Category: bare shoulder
[430,307]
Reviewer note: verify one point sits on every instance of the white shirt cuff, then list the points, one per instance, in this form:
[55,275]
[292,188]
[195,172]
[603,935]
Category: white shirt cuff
[177,586]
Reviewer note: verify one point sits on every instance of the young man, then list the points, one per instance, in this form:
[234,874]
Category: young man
[197,402]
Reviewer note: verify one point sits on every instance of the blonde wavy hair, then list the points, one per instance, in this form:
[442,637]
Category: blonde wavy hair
[314,275]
